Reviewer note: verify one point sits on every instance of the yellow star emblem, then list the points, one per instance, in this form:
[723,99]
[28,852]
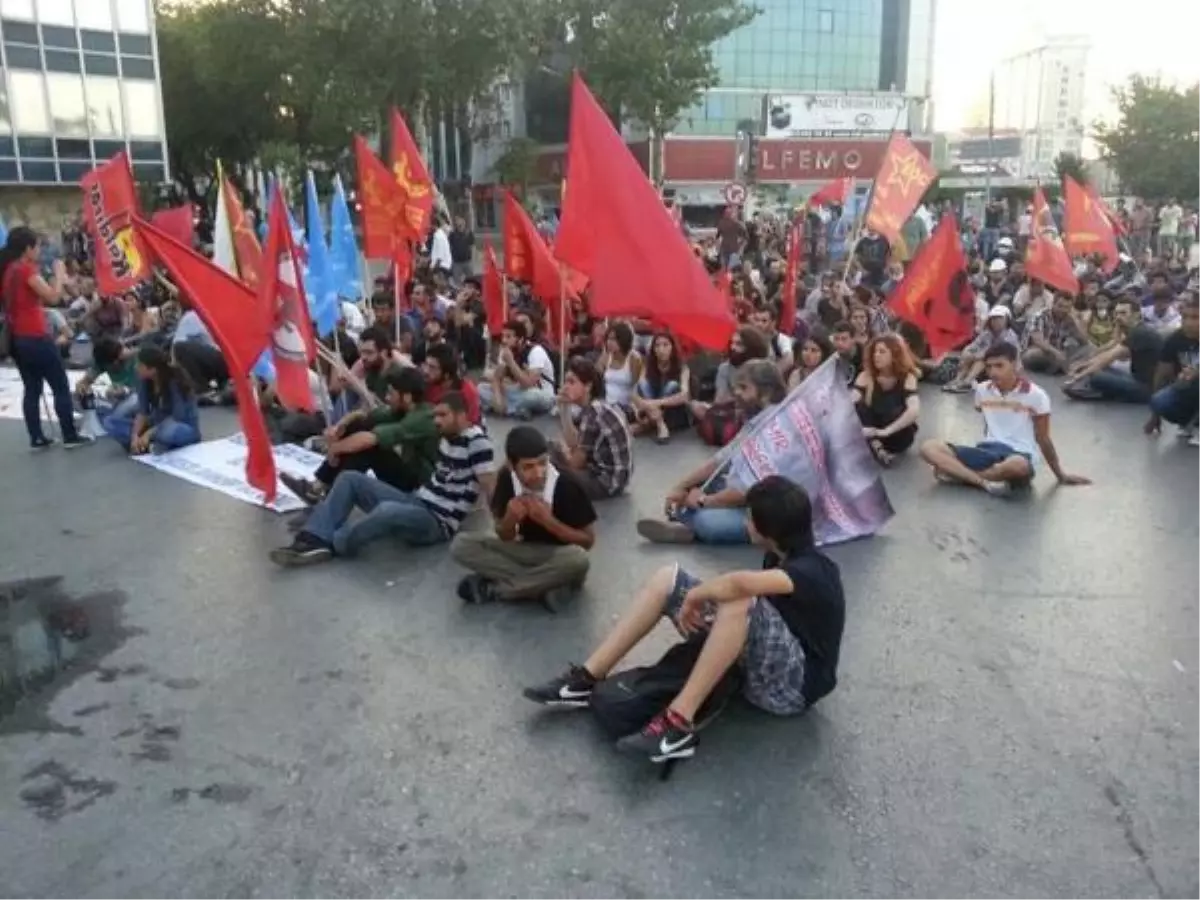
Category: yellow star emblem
[403,174]
[907,172]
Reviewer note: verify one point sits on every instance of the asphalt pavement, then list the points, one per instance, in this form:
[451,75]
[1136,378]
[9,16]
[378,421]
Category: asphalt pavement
[1016,714]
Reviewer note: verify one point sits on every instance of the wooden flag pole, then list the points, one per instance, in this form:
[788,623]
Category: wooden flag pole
[396,300]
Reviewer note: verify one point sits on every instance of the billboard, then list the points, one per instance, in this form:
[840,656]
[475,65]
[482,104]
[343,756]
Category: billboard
[706,160]
[833,114]
[978,149]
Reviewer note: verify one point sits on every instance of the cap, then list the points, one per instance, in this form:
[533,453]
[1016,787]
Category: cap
[1005,242]
[1002,311]
[998,265]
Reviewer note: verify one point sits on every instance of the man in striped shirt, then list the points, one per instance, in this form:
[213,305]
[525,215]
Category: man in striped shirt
[430,515]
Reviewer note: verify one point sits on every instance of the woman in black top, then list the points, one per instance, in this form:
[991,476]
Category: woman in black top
[885,395]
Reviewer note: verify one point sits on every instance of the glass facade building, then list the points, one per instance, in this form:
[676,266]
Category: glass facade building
[80,83]
[799,46]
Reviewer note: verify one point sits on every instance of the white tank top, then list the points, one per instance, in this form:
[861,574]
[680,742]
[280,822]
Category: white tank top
[618,383]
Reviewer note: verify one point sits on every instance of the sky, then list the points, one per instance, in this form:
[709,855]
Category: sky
[1128,36]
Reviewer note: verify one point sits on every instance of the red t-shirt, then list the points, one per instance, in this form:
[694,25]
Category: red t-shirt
[470,394]
[23,306]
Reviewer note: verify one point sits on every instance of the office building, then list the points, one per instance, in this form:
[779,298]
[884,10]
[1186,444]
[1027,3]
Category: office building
[80,82]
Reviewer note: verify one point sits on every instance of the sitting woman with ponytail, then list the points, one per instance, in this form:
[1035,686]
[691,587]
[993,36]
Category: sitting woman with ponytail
[24,293]
[167,416]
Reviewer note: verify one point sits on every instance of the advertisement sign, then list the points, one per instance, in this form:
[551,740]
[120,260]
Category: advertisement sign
[833,114]
[706,160]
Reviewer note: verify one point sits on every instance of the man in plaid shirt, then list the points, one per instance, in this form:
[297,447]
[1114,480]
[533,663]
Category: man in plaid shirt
[598,448]
[1055,338]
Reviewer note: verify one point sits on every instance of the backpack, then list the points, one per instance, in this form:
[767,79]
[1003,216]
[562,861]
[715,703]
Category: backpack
[720,425]
[626,702]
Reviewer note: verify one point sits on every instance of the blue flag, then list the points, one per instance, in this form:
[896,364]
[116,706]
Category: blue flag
[3,232]
[323,298]
[343,248]
[814,438]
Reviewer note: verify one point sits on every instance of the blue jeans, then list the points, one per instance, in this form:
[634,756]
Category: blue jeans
[388,510]
[669,389]
[1114,384]
[168,434]
[39,364]
[518,401]
[1178,403]
[726,525]
[986,454]
[988,237]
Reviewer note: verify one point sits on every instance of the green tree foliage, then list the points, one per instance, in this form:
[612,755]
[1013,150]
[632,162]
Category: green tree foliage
[1069,165]
[1155,140]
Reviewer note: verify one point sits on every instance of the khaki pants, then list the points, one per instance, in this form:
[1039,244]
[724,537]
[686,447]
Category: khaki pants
[520,570]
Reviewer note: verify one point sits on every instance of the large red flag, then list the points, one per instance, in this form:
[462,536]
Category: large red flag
[935,294]
[495,301]
[285,310]
[1113,219]
[245,242]
[382,205]
[791,277]
[109,207]
[1087,229]
[179,222]
[834,193]
[412,178]
[228,309]
[1046,258]
[615,229]
[902,180]
[527,258]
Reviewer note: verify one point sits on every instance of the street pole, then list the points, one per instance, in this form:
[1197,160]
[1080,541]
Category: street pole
[991,151]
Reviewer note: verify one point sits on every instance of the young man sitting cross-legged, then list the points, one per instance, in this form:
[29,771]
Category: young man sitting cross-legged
[543,528]
[1016,424]
[782,624]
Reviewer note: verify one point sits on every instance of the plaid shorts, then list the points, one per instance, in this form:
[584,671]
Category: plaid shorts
[772,660]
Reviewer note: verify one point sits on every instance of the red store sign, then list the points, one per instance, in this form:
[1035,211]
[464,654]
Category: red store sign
[783,160]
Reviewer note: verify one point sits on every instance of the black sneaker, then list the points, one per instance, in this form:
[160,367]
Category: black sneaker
[303,551]
[79,440]
[303,488]
[39,444]
[668,736]
[572,690]
[477,589]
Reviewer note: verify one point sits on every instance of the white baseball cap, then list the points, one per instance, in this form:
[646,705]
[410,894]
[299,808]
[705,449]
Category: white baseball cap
[998,265]
[1002,311]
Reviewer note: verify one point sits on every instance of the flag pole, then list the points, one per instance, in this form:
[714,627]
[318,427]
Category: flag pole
[396,300]
[860,222]
[562,325]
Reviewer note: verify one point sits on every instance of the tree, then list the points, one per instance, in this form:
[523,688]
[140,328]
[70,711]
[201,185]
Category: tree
[515,167]
[1155,141]
[1069,165]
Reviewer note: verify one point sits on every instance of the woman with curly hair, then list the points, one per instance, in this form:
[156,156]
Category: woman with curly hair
[661,400]
[885,395]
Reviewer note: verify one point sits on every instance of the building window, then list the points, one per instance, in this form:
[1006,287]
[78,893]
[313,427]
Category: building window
[20,33]
[94,14]
[5,116]
[133,15]
[137,44]
[56,12]
[17,9]
[38,170]
[99,64]
[20,57]
[28,103]
[67,109]
[825,21]
[57,36]
[136,67]
[73,148]
[74,171]
[141,106]
[151,172]
[99,40]
[35,147]
[104,107]
[62,61]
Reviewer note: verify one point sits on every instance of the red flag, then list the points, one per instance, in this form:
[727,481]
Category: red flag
[902,180]
[285,310]
[1114,220]
[1087,229]
[245,242]
[834,193]
[109,206]
[495,302]
[614,228]
[412,178]
[787,306]
[527,258]
[935,294]
[382,205]
[1045,258]
[227,308]
[179,222]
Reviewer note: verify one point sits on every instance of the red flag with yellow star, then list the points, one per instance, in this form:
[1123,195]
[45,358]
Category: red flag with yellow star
[527,258]
[1046,258]
[935,294]
[1087,229]
[382,205]
[902,180]
[412,178]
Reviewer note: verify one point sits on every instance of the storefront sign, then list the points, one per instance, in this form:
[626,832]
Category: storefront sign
[832,114]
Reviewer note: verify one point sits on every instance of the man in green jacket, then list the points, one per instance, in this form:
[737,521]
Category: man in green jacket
[397,441]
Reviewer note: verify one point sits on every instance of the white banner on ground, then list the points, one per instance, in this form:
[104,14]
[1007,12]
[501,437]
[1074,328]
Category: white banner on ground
[12,391]
[221,466]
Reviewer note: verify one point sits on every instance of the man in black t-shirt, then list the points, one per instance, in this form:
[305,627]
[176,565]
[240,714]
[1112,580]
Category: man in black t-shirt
[782,624]
[1176,395]
[872,252]
[1124,369]
[543,529]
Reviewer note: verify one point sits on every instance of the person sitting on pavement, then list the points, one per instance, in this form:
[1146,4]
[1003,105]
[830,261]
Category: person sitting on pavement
[1055,339]
[849,352]
[598,448]
[885,396]
[194,350]
[747,343]
[167,415]
[782,624]
[118,363]
[442,368]
[779,346]
[433,334]
[432,514]
[1016,419]
[397,441]
[1176,395]
[376,358]
[660,402]
[621,367]
[295,426]
[543,529]
[521,383]
[814,350]
[1159,309]
[1123,369]
[971,364]
[700,507]
[1028,302]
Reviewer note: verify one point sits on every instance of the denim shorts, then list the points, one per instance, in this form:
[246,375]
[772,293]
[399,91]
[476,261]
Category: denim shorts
[986,454]
[772,660]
